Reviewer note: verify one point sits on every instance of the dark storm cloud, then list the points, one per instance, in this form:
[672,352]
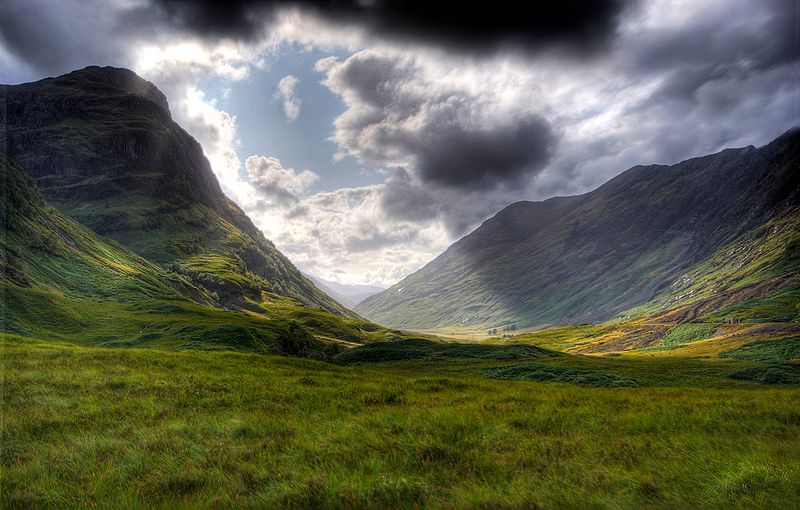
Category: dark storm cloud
[407,199]
[448,137]
[23,34]
[731,42]
[580,25]
[757,35]
[243,20]
[402,199]
[456,156]
[55,38]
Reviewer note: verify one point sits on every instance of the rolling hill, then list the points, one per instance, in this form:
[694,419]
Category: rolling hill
[652,239]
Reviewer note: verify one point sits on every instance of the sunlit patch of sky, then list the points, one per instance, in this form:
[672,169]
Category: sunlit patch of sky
[300,144]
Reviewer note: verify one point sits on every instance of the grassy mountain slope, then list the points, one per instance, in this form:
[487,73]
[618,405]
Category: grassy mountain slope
[103,149]
[762,264]
[588,258]
[62,281]
[749,291]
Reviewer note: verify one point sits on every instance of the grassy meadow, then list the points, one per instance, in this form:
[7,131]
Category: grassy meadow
[414,424]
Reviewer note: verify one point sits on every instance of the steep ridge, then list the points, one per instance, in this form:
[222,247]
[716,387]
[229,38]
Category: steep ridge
[587,258]
[103,148]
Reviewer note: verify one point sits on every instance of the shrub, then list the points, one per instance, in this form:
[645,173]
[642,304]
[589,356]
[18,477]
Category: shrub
[684,334]
[544,373]
[418,349]
[296,341]
[778,350]
[783,373]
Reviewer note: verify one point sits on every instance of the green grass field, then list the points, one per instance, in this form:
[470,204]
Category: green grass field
[127,428]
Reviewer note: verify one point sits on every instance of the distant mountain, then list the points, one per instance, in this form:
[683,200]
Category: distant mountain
[654,232]
[103,148]
[348,295]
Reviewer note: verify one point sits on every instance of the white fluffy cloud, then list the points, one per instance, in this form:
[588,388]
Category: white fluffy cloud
[285,92]
[280,186]
[345,235]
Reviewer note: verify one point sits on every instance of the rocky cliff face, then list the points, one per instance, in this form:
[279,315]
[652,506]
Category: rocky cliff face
[101,132]
[589,257]
[102,147]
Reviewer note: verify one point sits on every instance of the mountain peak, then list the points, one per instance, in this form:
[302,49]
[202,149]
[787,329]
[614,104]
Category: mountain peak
[789,137]
[119,78]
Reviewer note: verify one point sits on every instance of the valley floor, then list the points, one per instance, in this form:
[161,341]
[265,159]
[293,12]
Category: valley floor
[127,428]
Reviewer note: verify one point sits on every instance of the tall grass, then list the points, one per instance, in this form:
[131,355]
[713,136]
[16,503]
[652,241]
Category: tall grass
[130,428]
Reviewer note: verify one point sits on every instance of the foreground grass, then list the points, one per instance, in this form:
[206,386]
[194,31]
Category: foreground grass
[86,427]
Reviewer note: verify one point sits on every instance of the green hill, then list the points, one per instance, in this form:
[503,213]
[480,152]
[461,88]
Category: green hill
[61,281]
[657,235]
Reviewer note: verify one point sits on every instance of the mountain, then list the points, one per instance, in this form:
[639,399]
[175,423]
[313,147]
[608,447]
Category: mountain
[117,233]
[645,235]
[103,148]
[348,295]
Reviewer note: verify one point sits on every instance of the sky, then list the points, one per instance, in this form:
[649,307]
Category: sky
[366,136]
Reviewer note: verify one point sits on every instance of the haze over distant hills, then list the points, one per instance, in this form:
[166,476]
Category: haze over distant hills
[348,295]
[644,235]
